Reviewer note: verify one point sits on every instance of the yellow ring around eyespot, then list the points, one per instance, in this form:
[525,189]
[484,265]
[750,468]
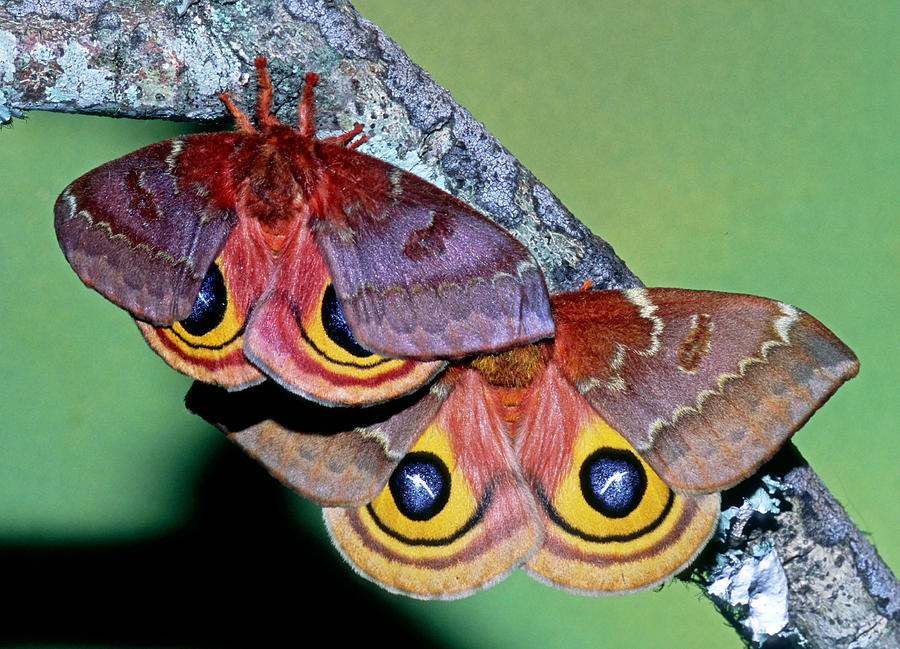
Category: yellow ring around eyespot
[218,342]
[461,506]
[570,503]
[335,357]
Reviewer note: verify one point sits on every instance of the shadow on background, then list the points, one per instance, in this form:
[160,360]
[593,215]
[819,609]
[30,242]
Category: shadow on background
[241,572]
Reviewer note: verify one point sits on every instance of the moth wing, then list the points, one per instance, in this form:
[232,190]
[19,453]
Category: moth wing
[143,229]
[611,524]
[419,273]
[705,386]
[333,456]
[455,516]
[297,334]
[208,345]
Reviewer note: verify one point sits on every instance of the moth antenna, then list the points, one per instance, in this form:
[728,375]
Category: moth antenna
[264,115]
[307,107]
[587,285]
[242,122]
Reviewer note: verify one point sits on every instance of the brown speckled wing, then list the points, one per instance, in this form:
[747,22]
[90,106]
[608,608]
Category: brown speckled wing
[143,230]
[706,386]
[333,456]
[420,274]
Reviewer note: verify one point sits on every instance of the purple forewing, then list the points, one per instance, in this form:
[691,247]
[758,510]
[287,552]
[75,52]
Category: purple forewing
[142,234]
[422,275]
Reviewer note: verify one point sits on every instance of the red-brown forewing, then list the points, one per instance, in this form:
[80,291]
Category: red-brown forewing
[705,385]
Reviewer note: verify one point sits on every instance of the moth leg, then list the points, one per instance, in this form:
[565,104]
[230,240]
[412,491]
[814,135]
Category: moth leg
[242,122]
[345,139]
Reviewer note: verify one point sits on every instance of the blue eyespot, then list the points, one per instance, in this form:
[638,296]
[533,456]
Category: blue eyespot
[209,307]
[613,482]
[336,325]
[420,486]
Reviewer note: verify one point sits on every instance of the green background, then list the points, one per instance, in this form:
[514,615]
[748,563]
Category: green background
[744,146]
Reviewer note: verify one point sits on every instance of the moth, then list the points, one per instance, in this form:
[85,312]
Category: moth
[271,253]
[583,436]
[593,460]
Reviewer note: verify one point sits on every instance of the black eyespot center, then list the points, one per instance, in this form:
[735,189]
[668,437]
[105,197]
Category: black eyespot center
[210,305]
[613,481]
[420,485]
[336,326]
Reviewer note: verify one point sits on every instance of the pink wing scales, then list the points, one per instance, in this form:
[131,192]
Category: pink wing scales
[611,524]
[288,339]
[482,524]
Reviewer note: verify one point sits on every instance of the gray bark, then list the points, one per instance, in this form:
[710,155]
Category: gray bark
[789,568]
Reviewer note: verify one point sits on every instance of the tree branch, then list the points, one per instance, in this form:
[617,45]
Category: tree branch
[144,59]
[788,565]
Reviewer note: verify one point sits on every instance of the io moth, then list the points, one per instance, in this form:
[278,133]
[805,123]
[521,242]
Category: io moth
[583,436]
[256,253]
[593,460]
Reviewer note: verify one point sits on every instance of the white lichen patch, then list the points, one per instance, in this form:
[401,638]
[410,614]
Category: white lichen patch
[91,86]
[7,72]
[211,69]
[760,585]
[410,162]
[761,501]
[7,56]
